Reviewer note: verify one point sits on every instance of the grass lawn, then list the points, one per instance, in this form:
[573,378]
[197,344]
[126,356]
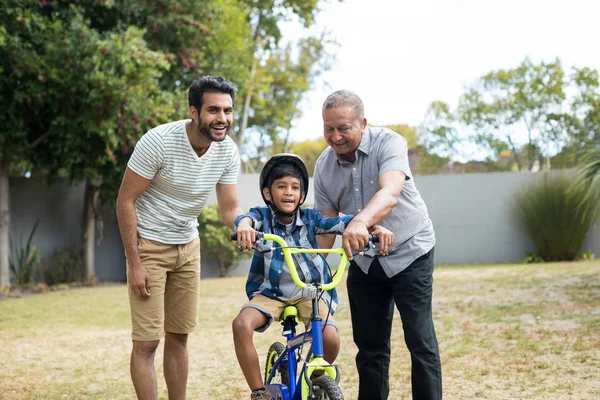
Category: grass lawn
[505,332]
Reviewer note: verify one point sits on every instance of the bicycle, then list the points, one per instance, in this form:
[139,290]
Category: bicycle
[282,360]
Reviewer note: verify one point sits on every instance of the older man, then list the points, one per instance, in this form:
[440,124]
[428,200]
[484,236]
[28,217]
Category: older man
[365,172]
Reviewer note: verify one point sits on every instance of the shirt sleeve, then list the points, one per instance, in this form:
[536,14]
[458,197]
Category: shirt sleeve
[324,224]
[255,215]
[148,155]
[321,200]
[232,170]
[393,155]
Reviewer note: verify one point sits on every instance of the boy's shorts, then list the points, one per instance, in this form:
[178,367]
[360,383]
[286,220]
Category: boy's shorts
[172,306]
[273,309]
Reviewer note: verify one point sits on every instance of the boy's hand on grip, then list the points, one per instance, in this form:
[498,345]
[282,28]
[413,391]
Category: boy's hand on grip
[246,235]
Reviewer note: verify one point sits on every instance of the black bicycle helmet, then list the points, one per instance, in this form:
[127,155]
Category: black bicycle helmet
[283,159]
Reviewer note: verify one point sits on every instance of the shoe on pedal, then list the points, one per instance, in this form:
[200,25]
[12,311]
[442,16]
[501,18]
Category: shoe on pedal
[261,394]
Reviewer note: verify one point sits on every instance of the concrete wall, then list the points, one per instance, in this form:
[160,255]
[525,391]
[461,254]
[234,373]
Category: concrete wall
[470,212]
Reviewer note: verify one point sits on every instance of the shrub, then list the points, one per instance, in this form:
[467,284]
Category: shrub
[66,267]
[532,258]
[214,239]
[550,212]
[24,259]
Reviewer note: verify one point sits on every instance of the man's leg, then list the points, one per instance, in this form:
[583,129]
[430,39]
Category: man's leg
[372,311]
[142,369]
[176,365]
[413,291]
[182,292]
[147,316]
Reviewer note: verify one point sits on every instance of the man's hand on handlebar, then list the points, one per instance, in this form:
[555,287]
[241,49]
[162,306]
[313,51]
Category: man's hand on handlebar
[386,238]
[355,236]
[246,235]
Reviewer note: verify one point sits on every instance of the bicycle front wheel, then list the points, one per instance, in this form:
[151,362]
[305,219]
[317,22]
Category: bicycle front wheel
[326,388]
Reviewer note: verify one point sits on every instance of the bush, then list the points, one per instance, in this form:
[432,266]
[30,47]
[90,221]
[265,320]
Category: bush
[66,267]
[532,258]
[550,212]
[214,239]
[24,259]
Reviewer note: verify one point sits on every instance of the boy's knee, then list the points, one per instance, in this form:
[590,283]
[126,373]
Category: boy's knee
[242,325]
[330,335]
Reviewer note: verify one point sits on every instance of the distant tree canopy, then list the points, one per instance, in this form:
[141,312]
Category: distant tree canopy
[536,112]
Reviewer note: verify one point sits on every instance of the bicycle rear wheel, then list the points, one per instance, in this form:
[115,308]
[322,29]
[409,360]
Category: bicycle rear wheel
[281,376]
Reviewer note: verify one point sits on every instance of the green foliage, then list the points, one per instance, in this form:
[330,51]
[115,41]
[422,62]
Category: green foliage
[214,239]
[549,211]
[280,82]
[67,266]
[534,111]
[532,258]
[587,255]
[407,132]
[309,150]
[587,181]
[24,259]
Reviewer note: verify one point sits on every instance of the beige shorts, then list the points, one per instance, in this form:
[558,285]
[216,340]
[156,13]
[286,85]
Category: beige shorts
[273,309]
[172,306]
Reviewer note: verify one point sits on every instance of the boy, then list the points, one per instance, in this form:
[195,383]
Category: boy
[284,185]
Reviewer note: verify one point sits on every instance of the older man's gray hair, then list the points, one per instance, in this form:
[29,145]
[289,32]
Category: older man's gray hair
[343,98]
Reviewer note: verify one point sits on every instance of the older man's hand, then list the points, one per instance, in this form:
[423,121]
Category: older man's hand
[355,236]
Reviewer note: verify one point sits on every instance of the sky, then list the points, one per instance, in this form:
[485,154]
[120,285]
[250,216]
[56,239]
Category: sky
[399,56]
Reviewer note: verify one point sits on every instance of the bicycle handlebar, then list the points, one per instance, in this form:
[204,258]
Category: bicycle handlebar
[288,251]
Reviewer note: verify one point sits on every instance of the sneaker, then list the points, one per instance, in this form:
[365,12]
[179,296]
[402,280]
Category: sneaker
[262,394]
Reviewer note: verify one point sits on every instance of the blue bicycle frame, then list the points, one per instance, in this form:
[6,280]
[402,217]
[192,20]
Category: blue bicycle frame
[300,386]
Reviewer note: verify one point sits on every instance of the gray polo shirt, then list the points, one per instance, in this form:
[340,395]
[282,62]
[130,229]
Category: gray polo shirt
[348,188]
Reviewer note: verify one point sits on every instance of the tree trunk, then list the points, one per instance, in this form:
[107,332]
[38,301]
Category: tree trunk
[239,136]
[4,217]
[89,231]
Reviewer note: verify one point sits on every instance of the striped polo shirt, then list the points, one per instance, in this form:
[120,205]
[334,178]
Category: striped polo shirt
[181,182]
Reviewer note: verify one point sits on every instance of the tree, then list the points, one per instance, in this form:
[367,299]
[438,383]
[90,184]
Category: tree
[309,150]
[265,16]
[280,86]
[506,110]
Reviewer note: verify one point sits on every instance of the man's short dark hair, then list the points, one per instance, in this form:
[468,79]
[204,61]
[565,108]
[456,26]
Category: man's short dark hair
[211,84]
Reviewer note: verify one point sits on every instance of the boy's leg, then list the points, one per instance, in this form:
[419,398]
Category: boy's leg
[256,315]
[181,316]
[147,316]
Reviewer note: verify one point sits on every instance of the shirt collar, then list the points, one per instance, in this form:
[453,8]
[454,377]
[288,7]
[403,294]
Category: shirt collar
[297,221]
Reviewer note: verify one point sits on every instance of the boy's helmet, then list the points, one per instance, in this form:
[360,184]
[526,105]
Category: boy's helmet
[283,159]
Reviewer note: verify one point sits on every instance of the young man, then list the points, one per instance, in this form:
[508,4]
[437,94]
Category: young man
[170,174]
[365,172]
[270,288]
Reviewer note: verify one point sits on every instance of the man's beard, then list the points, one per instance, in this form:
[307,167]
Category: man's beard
[206,132]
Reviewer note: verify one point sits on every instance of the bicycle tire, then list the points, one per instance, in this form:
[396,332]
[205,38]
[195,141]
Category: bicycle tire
[275,350]
[326,388]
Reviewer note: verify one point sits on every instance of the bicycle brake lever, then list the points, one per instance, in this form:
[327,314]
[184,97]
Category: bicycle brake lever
[370,250]
[262,248]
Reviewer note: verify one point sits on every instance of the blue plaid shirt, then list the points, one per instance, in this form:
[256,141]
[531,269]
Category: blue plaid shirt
[269,274]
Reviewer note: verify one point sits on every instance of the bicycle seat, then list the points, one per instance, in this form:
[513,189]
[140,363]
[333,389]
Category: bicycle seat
[290,311]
